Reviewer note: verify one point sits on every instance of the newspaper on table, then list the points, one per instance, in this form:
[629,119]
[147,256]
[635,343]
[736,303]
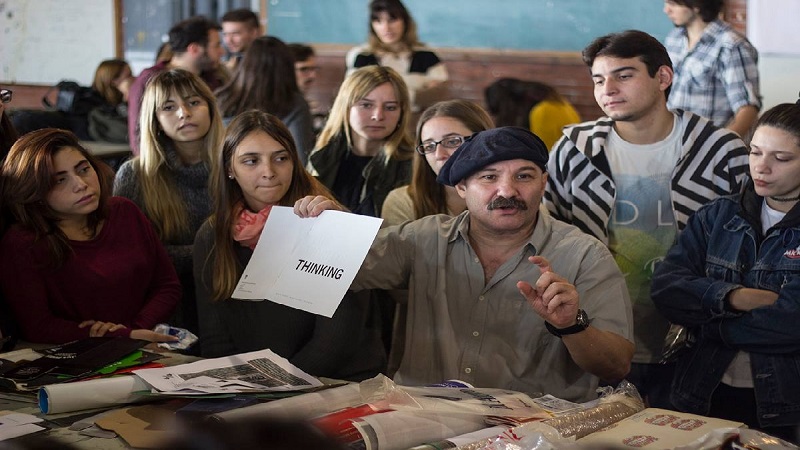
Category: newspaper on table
[307,263]
[260,371]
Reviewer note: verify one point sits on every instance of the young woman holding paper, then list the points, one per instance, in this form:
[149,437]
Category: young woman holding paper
[259,168]
[76,262]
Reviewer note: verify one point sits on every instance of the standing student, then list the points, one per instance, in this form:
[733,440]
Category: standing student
[716,68]
[733,280]
[240,28]
[197,48]
[393,43]
[265,80]
[441,129]
[258,168]
[181,134]
[633,178]
[364,151]
[77,262]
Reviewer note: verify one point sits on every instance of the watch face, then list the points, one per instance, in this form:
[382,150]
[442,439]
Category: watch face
[583,318]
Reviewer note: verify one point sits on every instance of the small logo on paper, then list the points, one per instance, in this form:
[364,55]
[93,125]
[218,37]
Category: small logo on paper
[639,441]
[688,424]
[661,419]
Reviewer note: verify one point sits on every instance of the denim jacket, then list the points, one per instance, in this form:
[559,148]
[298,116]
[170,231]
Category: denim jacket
[721,249]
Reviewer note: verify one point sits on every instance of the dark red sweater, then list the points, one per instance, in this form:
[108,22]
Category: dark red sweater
[122,276]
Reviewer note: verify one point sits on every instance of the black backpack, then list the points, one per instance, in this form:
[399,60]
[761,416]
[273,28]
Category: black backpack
[72,98]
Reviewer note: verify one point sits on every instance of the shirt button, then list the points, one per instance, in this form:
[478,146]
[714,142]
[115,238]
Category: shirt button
[467,370]
[477,260]
[475,333]
[480,298]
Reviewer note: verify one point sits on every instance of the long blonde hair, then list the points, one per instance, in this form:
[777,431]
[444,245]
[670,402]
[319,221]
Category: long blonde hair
[162,202]
[354,88]
[227,194]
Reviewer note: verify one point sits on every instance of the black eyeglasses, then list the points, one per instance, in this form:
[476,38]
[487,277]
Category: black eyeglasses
[447,142]
[5,95]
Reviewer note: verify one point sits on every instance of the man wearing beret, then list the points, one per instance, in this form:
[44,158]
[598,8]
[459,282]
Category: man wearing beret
[502,296]
[633,178]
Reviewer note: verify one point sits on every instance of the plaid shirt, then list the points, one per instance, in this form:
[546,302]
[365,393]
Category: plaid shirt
[715,78]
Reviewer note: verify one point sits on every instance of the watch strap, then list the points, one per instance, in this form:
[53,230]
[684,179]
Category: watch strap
[581,324]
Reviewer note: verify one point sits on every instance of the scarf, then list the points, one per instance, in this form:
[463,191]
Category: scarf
[248,225]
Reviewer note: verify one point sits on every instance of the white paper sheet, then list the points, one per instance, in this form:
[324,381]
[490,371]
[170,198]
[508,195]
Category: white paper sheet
[307,263]
[258,371]
[14,425]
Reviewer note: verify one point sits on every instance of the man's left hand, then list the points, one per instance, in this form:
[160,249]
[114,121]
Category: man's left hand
[552,297]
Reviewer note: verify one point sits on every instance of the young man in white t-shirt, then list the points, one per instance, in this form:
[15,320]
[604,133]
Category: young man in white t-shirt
[633,178]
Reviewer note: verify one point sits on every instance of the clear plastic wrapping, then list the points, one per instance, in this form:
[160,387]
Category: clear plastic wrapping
[612,407]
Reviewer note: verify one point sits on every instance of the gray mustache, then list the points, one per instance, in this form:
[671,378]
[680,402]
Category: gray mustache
[502,202]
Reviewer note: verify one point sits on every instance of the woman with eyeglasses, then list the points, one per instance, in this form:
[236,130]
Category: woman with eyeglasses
[364,151]
[8,134]
[441,129]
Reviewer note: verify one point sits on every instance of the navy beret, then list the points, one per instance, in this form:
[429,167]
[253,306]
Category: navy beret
[490,146]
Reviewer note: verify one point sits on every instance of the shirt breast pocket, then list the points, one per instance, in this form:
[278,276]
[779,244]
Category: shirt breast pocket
[724,270]
[701,73]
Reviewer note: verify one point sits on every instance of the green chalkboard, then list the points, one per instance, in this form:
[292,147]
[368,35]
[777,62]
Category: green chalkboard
[558,25]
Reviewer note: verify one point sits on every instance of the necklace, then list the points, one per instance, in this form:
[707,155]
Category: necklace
[786,199]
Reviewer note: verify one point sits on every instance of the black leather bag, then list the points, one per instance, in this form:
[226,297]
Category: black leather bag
[72,98]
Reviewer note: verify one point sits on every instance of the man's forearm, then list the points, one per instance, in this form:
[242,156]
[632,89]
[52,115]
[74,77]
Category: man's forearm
[602,353]
[743,120]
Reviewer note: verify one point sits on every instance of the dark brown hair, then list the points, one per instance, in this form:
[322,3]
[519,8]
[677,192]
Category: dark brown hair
[227,194]
[27,177]
[265,80]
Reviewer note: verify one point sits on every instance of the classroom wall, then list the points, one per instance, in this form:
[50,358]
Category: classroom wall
[472,71]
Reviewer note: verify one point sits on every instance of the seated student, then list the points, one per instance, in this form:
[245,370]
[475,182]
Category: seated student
[306,70]
[364,151]
[503,296]
[530,104]
[393,43]
[265,80]
[109,121]
[181,132]
[441,129]
[733,280]
[77,262]
[257,169]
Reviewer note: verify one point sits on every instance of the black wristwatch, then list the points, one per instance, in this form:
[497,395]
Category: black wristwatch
[582,323]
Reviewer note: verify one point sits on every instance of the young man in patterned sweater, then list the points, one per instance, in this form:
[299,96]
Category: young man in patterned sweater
[633,178]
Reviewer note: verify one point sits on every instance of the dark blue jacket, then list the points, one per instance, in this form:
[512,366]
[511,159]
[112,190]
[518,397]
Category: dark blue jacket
[721,249]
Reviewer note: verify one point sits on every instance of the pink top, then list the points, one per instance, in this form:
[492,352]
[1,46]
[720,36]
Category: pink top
[122,276]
